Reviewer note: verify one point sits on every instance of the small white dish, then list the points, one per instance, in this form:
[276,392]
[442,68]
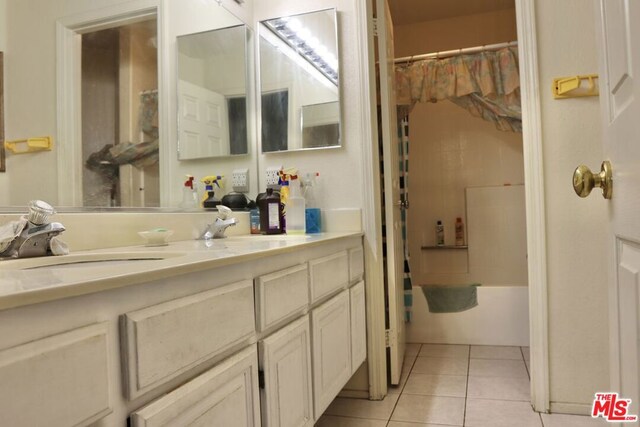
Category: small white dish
[158,237]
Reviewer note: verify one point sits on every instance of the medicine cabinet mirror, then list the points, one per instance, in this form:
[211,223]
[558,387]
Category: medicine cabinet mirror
[212,93]
[299,82]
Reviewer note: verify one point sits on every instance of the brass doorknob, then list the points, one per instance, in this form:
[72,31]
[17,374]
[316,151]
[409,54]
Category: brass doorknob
[584,180]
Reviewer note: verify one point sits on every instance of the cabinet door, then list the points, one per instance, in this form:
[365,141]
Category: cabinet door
[358,326]
[60,380]
[285,359]
[224,396]
[331,349]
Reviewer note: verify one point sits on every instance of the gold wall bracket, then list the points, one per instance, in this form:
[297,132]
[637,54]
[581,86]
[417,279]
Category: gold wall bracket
[30,145]
[571,87]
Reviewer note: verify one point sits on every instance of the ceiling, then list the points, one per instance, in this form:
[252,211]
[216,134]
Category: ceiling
[411,11]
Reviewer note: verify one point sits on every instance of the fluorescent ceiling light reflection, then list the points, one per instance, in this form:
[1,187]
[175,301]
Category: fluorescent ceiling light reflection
[306,44]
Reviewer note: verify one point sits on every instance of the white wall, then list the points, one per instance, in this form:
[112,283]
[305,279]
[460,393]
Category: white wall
[340,168]
[577,280]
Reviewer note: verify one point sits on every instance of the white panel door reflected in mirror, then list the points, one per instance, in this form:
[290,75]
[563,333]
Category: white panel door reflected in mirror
[212,94]
[299,79]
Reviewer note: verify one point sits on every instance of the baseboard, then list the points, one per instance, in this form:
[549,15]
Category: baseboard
[569,408]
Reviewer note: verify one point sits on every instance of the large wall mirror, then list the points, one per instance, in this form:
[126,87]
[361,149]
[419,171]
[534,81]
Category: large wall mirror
[299,82]
[212,93]
[108,98]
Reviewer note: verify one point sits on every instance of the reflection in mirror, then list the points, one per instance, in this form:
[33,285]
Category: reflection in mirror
[212,94]
[120,133]
[299,82]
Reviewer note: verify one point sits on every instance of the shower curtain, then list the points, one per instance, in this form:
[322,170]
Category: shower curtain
[402,145]
[486,84]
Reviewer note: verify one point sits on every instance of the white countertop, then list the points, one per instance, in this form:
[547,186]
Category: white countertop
[20,284]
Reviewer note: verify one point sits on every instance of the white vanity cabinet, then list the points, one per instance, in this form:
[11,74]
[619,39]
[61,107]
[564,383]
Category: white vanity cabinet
[266,339]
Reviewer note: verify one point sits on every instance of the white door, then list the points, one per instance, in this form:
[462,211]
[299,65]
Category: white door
[285,359]
[620,105]
[204,122]
[395,247]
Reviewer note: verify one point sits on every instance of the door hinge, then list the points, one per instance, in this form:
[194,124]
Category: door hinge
[261,379]
[387,338]
[374,26]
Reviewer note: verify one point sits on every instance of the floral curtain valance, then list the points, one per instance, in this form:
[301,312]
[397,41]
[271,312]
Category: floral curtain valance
[486,84]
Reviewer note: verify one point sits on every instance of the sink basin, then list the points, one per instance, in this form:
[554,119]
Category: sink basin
[86,260]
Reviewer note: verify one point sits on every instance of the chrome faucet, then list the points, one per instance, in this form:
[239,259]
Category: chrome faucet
[217,229]
[34,234]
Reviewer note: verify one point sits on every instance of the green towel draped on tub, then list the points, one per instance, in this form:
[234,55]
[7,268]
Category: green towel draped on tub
[450,298]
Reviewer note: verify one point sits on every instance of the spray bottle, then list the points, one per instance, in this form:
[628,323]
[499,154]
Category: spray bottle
[189,194]
[209,200]
[312,211]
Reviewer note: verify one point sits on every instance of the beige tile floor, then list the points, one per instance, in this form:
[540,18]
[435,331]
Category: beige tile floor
[454,385]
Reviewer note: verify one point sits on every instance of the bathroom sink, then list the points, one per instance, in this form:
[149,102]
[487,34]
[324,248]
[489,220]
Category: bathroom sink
[106,259]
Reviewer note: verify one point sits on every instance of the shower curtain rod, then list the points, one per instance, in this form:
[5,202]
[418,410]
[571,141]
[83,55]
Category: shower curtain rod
[455,52]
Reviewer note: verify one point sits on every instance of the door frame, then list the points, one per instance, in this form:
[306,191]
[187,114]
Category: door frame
[534,196]
[535,206]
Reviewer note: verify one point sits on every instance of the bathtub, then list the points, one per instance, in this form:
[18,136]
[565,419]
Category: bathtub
[500,318]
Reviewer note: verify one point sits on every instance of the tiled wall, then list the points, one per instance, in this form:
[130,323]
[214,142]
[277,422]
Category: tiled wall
[451,151]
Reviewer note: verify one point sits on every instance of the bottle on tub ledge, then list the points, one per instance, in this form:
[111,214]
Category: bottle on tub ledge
[439,233]
[459,232]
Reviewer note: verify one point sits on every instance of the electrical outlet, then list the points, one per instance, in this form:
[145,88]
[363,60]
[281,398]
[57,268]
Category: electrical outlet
[240,180]
[272,176]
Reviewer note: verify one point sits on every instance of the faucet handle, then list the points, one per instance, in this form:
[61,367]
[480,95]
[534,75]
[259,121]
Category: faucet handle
[39,212]
[223,212]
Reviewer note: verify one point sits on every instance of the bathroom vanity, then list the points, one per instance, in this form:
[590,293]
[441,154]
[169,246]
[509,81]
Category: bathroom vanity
[243,331]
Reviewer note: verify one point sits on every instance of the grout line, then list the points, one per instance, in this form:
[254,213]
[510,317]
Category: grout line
[525,364]
[403,385]
[466,390]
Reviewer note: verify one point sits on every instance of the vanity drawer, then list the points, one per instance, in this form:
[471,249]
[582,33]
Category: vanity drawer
[162,341]
[356,264]
[61,380]
[226,395]
[328,274]
[281,295]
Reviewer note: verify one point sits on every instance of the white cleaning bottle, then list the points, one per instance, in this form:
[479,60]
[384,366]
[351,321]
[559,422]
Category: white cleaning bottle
[295,208]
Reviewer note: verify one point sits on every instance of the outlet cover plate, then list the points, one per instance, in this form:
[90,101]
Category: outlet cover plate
[271,176]
[240,180]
